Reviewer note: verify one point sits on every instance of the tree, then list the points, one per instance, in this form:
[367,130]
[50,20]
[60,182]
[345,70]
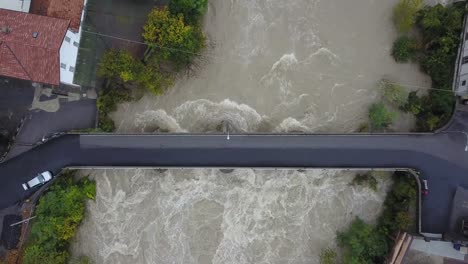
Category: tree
[328,256]
[192,10]
[59,212]
[117,64]
[394,93]
[363,244]
[404,49]
[380,117]
[404,14]
[171,37]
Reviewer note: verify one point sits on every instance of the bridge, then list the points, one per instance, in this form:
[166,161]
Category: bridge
[441,158]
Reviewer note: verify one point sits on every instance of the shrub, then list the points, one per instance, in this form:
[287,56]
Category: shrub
[394,93]
[106,103]
[362,243]
[404,49]
[404,14]
[59,212]
[380,117]
[395,214]
[328,256]
[413,104]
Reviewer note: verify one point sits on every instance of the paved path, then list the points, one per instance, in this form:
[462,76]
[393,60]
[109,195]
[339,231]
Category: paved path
[441,158]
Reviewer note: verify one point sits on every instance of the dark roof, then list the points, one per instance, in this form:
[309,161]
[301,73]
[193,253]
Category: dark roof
[64,9]
[26,57]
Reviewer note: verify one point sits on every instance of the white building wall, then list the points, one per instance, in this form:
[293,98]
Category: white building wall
[16,5]
[69,53]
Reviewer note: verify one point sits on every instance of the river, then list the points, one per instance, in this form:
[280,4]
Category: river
[207,216]
[269,66]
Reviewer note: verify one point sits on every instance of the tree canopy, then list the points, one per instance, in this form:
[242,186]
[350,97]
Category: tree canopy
[171,37]
[192,10]
[363,244]
[59,213]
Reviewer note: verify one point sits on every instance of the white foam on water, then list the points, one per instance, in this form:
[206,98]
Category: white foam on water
[207,216]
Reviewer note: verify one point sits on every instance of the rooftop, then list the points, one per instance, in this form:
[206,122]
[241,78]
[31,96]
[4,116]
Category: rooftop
[64,9]
[29,46]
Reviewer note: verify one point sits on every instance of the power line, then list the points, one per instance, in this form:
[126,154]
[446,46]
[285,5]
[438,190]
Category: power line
[215,57]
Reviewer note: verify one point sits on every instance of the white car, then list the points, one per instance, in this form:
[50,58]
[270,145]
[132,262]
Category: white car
[40,179]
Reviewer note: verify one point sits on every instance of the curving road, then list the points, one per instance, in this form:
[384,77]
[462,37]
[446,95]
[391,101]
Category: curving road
[441,158]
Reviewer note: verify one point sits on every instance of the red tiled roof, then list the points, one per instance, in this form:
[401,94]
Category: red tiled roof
[24,57]
[65,9]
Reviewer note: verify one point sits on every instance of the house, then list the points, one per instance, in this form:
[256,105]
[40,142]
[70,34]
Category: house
[461,68]
[71,11]
[30,46]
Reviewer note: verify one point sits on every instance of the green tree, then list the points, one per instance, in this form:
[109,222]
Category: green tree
[328,256]
[399,199]
[380,117]
[404,49]
[394,93]
[59,212]
[171,37]
[404,14]
[117,64]
[192,10]
[363,244]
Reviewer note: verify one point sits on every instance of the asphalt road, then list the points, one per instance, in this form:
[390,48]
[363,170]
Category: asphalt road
[441,158]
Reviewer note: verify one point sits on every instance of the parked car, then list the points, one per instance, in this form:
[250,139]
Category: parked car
[39,180]
[424,187]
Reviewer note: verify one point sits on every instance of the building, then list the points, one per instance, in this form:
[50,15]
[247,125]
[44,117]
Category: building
[30,46]
[65,10]
[460,84]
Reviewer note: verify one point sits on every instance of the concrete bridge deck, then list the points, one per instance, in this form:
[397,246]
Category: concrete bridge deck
[441,158]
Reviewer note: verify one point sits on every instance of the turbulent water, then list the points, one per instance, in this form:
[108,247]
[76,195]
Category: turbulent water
[270,66]
[207,216]
[283,66]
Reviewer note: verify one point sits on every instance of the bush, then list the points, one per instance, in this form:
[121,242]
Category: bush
[404,49]
[192,10]
[363,244]
[106,103]
[413,104]
[404,14]
[394,93]
[366,179]
[380,117]
[395,214]
[328,256]
[59,212]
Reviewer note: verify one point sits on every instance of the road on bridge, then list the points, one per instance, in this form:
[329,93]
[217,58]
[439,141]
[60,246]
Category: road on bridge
[441,158]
